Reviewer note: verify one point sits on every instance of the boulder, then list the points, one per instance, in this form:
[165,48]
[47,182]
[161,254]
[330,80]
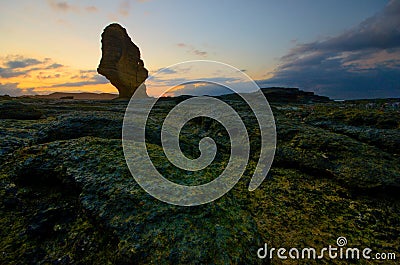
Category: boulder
[120,62]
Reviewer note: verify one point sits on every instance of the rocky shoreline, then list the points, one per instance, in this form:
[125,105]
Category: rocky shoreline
[68,197]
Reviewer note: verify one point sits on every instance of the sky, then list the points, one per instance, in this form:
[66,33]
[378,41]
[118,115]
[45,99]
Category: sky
[341,49]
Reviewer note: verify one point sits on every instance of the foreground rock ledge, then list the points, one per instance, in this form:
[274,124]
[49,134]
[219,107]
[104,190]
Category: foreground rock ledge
[120,62]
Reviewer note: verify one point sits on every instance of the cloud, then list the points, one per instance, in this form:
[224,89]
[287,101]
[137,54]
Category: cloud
[13,90]
[16,65]
[200,53]
[94,80]
[18,72]
[54,66]
[191,49]
[9,73]
[61,6]
[160,80]
[22,63]
[87,71]
[363,62]
[64,6]
[166,71]
[91,9]
[43,75]
[124,8]
[10,89]
[199,89]
[212,86]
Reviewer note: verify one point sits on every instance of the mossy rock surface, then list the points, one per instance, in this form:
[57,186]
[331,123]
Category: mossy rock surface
[69,198]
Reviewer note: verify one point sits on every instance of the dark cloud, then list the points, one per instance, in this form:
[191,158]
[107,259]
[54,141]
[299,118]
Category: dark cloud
[166,71]
[85,74]
[363,62]
[161,81]
[87,71]
[10,89]
[202,89]
[213,86]
[156,80]
[22,63]
[42,75]
[95,80]
[13,90]
[15,66]
[9,73]
[54,66]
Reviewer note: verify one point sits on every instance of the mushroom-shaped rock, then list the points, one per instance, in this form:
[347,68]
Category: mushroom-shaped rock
[120,62]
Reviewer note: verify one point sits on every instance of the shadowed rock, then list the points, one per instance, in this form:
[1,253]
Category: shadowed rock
[67,195]
[10,109]
[120,62]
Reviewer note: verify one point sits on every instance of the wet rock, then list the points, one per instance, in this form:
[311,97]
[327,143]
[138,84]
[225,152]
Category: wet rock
[113,198]
[42,223]
[324,183]
[386,139]
[101,124]
[11,109]
[10,200]
[64,260]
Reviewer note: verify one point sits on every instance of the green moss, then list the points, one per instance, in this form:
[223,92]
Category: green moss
[335,173]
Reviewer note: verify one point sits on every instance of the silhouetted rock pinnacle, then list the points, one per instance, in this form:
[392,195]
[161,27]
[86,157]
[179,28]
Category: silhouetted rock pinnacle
[120,62]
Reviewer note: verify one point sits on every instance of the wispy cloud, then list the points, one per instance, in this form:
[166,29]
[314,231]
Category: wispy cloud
[54,66]
[91,9]
[64,6]
[200,53]
[124,8]
[199,89]
[43,76]
[94,80]
[191,49]
[166,71]
[362,62]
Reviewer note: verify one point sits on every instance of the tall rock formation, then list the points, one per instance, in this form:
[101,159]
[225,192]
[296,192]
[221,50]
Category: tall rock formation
[120,61]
